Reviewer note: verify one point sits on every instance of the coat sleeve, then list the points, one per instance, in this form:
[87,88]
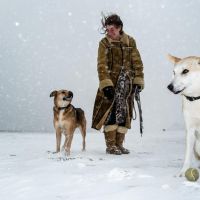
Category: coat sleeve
[137,65]
[102,68]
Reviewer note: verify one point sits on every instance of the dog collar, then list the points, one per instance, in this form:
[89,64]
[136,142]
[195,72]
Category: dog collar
[192,98]
[63,108]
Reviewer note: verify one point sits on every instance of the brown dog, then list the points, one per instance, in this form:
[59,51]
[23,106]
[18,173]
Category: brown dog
[66,119]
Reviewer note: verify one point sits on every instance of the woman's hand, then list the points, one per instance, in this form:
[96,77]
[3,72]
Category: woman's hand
[139,88]
[109,92]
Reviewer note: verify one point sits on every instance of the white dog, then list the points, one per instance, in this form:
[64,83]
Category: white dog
[186,81]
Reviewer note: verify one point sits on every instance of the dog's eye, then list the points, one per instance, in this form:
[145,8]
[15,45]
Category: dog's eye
[185,71]
[63,92]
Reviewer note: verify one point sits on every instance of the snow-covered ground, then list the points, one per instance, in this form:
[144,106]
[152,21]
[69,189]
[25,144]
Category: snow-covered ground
[29,171]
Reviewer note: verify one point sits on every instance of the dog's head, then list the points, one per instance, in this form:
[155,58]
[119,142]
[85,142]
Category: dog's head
[186,75]
[62,98]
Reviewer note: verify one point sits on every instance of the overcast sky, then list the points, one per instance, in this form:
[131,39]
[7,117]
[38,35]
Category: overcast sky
[52,44]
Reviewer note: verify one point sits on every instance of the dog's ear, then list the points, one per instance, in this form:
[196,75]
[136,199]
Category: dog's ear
[173,59]
[53,93]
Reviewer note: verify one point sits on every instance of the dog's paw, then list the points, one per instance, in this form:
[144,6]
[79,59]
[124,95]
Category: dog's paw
[65,152]
[58,155]
[68,153]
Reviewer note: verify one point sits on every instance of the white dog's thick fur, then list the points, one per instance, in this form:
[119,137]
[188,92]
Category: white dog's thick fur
[186,81]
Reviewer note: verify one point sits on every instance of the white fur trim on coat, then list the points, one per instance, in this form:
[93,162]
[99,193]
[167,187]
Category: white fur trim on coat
[122,129]
[110,128]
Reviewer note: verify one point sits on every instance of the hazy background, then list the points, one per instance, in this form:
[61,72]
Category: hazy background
[52,44]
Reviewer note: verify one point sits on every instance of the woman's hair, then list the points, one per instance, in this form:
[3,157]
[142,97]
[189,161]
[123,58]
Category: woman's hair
[112,19]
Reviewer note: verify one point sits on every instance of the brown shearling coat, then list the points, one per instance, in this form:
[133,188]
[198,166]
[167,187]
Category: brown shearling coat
[112,55]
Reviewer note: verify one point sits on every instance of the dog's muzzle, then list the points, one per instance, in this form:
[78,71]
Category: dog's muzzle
[171,88]
[69,97]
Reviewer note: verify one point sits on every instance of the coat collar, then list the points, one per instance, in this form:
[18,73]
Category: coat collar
[124,39]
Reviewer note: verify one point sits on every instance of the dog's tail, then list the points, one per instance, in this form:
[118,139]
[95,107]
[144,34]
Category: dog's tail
[81,120]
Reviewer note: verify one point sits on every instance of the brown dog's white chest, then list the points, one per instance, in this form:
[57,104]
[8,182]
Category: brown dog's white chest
[60,122]
[60,119]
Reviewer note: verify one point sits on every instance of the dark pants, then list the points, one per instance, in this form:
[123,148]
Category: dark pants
[112,117]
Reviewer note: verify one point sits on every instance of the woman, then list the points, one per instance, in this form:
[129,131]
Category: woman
[120,71]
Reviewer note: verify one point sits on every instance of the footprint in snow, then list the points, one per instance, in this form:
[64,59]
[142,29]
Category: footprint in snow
[118,174]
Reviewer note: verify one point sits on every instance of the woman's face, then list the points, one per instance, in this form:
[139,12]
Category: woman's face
[113,32]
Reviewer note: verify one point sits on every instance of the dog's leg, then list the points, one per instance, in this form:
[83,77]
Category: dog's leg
[190,139]
[83,133]
[197,146]
[65,143]
[58,139]
[68,143]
